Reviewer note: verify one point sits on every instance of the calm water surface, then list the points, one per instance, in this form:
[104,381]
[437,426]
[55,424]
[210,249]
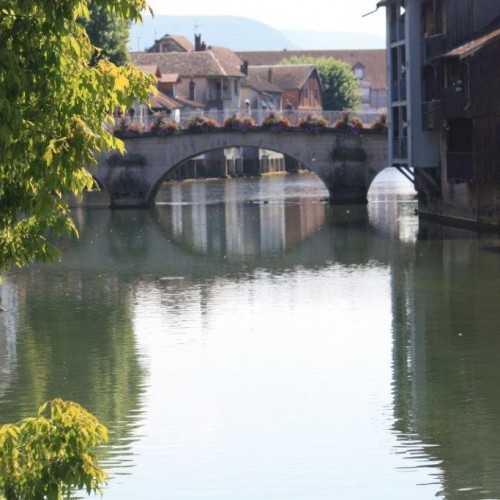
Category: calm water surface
[244,340]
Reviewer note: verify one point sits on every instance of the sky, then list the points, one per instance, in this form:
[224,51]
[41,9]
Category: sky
[321,15]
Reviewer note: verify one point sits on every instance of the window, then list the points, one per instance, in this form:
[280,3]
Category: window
[433,16]
[359,72]
[454,75]
[236,87]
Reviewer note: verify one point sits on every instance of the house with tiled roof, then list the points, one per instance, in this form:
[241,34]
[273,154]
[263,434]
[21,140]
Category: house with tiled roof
[165,100]
[300,84]
[171,43]
[258,93]
[208,75]
[369,67]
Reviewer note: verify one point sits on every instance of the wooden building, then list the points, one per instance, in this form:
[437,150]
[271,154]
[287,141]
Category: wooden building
[445,105]
[300,84]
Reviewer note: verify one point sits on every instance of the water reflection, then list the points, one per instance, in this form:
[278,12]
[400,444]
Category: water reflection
[236,221]
[8,332]
[73,338]
[447,360]
[246,340]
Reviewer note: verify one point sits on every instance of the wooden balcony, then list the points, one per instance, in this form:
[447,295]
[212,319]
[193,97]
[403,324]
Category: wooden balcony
[459,166]
[454,102]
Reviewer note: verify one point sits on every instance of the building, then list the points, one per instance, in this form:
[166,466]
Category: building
[369,67]
[165,100]
[444,104]
[259,93]
[209,75]
[172,43]
[209,79]
[300,84]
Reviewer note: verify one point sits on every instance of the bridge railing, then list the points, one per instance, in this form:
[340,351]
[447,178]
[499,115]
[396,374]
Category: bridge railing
[258,115]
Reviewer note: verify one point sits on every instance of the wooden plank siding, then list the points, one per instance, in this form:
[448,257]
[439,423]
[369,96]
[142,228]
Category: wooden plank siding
[311,93]
[459,27]
[485,81]
[486,140]
[485,109]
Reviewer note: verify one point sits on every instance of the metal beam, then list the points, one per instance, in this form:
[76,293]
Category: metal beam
[407,172]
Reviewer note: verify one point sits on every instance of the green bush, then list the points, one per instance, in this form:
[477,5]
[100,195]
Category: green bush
[201,124]
[49,455]
[313,123]
[343,153]
[239,123]
[275,122]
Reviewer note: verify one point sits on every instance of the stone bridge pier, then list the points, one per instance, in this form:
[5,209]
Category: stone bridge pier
[346,163]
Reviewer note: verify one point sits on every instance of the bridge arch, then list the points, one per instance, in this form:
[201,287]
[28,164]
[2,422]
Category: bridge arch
[345,163]
[157,184]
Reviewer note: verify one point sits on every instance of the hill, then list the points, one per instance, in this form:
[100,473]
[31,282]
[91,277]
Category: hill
[321,40]
[236,33]
[243,34]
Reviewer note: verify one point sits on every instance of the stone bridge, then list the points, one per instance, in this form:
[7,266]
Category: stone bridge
[347,163]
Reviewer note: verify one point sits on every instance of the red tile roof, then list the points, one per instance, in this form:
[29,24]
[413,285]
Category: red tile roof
[170,78]
[469,49]
[286,77]
[189,64]
[373,60]
[151,69]
[161,100]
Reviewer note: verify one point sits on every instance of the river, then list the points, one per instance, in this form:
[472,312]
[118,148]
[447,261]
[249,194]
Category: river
[245,340]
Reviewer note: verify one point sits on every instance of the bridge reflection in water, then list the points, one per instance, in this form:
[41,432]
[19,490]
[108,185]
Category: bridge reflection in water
[236,225]
[182,386]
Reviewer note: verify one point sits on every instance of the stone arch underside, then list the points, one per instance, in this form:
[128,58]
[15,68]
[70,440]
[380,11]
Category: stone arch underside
[134,179]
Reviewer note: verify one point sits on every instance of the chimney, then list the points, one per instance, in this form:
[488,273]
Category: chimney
[270,75]
[197,42]
[244,68]
[191,90]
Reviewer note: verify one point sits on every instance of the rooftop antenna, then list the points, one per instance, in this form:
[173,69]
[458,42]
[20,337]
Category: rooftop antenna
[373,11]
[196,26]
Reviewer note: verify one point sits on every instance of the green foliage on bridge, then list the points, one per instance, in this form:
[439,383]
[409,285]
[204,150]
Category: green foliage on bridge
[345,153]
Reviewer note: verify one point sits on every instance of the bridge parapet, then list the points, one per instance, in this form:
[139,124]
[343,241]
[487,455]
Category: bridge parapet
[259,115]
